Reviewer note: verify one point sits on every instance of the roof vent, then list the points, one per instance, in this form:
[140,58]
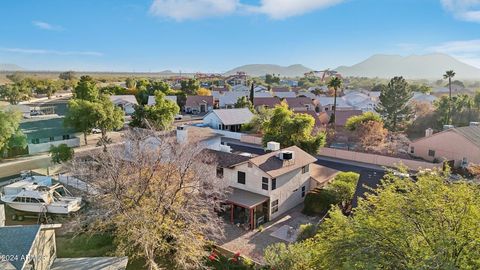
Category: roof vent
[428,132]
[445,127]
[286,155]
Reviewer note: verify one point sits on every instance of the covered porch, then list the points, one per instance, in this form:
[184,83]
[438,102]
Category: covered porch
[247,209]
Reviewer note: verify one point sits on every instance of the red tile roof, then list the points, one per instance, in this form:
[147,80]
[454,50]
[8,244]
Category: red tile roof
[341,117]
[266,101]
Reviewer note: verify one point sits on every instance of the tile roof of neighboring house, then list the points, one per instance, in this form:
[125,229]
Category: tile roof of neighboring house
[284,94]
[274,166]
[229,98]
[233,116]
[280,89]
[151,99]
[224,159]
[262,94]
[471,133]
[299,102]
[420,97]
[341,117]
[194,101]
[17,241]
[327,101]
[123,99]
[321,174]
[266,101]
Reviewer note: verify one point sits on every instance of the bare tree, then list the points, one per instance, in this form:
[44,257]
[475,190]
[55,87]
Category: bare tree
[158,198]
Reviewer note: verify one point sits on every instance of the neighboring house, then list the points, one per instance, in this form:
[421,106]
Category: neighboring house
[43,133]
[300,104]
[285,94]
[460,146]
[321,121]
[228,99]
[266,102]
[33,247]
[341,117]
[199,104]
[326,104]
[228,119]
[126,102]
[151,100]
[423,98]
[291,83]
[266,186]
[262,94]
[259,88]
[360,101]
[280,89]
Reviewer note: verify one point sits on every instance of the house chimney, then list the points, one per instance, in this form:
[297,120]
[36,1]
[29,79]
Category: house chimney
[428,132]
[273,146]
[475,124]
[445,127]
[182,134]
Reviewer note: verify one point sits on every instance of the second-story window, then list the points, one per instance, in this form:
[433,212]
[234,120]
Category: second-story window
[265,183]
[241,178]
[305,169]
[431,153]
[274,206]
[219,172]
[274,183]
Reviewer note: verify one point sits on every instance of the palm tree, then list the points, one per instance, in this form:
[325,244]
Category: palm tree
[449,74]
[334,83]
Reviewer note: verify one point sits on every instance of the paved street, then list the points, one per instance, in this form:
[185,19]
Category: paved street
[370,175]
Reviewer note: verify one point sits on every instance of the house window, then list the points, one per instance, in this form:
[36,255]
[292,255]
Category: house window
[241,178]
[303,191]
[274,183]
[274,206]
[219,172]
[412,149]
[265,183]
[431,153]
[66,137]
[305,169]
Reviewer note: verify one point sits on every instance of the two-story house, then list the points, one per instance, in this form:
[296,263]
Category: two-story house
[266,186]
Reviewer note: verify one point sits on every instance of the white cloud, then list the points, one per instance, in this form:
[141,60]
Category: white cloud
[467,51]
[181,10]
[47,26]
[53,52]
[467,10]
[280,9]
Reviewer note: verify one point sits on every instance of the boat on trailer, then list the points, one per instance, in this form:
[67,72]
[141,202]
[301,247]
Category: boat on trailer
[36,198]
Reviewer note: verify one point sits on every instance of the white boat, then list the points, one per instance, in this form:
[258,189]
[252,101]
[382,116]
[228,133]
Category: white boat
[43,199]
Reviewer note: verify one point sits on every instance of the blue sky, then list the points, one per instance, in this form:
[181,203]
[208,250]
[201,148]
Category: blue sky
[217,35]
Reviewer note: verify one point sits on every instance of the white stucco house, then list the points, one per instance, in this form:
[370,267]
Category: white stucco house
[125,102]
[228,119]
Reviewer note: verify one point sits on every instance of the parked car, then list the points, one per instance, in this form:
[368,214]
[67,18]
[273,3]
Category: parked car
[96,131]
[178,117]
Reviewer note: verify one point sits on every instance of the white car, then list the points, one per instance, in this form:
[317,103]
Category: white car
[96,131]
[178,117]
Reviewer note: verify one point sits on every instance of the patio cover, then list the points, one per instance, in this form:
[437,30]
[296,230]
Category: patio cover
[245,198]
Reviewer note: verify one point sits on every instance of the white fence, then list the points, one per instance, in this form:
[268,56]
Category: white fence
[45,147]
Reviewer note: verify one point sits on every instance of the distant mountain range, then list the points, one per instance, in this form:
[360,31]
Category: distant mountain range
[10,67]
[257,70]
[429,66]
